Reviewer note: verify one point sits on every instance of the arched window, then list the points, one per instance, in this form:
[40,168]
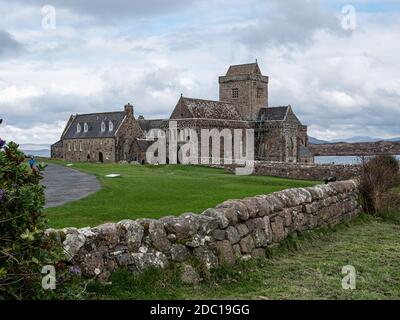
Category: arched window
[78,128]
[103,126]
[110,126]
[85,127]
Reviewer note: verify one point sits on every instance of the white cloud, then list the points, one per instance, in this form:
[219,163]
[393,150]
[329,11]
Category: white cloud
[15,94]
[341,84]
[343,100]
[37,134]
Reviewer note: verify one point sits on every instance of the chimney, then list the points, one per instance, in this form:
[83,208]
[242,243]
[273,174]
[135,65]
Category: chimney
[129,110]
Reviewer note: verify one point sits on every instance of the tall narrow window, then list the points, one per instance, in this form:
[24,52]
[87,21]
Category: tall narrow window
[85,127]
[235,93]
[103,127]
[78,128]
[110,126]
[260,93]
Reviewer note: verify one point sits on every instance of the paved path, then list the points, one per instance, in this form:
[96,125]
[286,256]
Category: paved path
[65,184]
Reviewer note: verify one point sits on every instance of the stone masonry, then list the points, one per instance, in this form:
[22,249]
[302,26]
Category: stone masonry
[356,149]
[301,171]
[233,230]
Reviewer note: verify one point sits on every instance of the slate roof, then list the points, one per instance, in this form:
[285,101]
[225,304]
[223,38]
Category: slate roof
[273,113]
[94,121]
[144,144]
[59,143]
[243,69]
[208,109]
[147,125]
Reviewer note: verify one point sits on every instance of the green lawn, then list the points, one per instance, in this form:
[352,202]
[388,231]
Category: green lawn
[311,271]
[155,191]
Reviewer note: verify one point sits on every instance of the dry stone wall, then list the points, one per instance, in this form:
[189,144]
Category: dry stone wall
[301,171]
[235,229]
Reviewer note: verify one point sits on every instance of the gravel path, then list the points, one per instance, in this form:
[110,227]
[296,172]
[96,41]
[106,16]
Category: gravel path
[65,184]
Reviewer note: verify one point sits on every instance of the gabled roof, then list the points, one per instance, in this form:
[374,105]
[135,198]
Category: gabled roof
[208,109]
[243,69]
[59,143]
[94,121]
[144,144]
[147,125]
[273,113]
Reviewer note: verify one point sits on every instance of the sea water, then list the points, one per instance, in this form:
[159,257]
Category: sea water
[341,159]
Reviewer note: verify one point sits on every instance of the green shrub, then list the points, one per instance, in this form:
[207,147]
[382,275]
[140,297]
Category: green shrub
[24,249]
[378,176]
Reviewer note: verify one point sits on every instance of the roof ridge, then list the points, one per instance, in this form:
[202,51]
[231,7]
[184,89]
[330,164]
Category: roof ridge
[93,113]
[199,99]
[244,69]
[268,107]
[243,64]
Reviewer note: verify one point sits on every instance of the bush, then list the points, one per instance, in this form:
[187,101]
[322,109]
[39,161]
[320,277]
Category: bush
[24,249]
[378,176]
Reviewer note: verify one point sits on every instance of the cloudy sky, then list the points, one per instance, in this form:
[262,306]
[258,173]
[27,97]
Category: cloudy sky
[102,54]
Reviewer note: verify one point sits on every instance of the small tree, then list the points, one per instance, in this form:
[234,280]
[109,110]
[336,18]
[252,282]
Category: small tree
[377,176]
[23,248]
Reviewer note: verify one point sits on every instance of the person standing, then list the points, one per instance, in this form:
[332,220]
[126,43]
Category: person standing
[33,164]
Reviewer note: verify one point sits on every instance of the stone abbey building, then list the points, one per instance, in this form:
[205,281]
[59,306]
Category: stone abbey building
[243,104]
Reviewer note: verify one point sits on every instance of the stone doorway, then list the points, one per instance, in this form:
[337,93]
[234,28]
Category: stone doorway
[101,160]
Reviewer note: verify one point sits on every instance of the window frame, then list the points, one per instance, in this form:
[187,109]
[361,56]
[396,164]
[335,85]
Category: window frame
[235,93]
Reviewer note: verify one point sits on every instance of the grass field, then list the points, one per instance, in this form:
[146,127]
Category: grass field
[155,191]
[308,267]
[305,266]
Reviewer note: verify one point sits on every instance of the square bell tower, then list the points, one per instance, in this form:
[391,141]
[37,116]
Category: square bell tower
[246,88]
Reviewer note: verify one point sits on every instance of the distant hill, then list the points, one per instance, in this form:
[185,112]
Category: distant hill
[394,140]
[33,146]
[316,141]
[37,150]
[44,153]
[356,139]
